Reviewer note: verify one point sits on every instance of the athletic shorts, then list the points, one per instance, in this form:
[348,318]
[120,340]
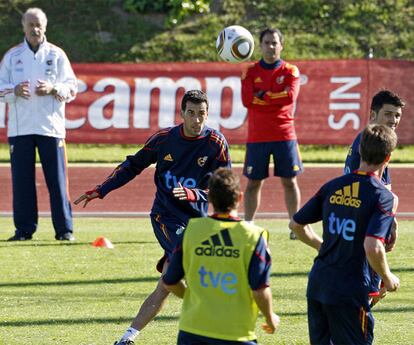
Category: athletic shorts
[334,325]
[286,159]
[166,230]
[185,338]
[375,282]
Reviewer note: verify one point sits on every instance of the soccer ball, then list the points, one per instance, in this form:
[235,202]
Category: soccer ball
[235,44]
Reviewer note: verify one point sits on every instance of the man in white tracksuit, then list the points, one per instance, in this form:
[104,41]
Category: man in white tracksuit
[36,80]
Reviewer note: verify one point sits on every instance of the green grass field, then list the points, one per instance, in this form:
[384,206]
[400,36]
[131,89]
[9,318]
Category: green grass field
[115,153]
[60,293]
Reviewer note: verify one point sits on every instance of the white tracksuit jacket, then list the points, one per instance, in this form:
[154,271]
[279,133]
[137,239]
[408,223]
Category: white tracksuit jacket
[42,115]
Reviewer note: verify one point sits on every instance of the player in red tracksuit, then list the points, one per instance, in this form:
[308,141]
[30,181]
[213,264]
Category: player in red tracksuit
[270,88]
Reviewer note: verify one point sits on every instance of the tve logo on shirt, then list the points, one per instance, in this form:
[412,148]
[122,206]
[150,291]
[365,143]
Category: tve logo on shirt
[347,196]
[342,226]
[225,282]
[171,181]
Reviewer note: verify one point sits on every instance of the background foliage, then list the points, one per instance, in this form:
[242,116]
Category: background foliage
[186,30]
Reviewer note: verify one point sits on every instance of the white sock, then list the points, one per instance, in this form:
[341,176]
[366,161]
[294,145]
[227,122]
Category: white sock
[130,334]
[250,222]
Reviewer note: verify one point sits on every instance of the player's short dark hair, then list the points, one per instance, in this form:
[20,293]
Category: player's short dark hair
[385,97]
[377,143]
[272,31]
[193,96]
[224,190]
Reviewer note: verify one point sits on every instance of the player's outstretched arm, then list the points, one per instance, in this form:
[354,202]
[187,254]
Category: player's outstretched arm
[263,299]
[87,197]
[183,193]
[306,234]
[189,194]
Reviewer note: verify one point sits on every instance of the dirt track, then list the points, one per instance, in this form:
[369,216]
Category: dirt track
[138,195]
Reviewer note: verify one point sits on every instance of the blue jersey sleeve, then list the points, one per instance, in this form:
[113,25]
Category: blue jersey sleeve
[383,216]
[353,161]
[353,158]
[386,178]
[260,266]
[175,271]
[311,212]
[218,141]
[133,165]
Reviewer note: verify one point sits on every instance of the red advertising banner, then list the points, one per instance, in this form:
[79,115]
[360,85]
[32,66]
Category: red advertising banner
[126,103]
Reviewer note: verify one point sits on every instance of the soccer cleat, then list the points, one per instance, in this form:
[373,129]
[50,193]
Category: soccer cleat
[125,342]
[20,238]
[292,235]
[67,236]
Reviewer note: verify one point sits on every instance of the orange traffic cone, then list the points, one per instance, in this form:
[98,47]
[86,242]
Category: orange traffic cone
[103,242]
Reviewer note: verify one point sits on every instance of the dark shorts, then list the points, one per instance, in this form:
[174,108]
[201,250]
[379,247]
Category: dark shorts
[185,338]
[286,159]
[375,282]
[331,324]
[166,230]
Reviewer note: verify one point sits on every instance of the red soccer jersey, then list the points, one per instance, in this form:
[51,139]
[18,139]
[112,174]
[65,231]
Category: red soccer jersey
[270,118]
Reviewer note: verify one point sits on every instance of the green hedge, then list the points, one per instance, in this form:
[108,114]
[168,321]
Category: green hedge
[186,30]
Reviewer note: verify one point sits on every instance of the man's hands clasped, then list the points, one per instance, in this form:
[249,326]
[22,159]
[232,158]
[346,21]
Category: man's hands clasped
[22,90]
[43,88]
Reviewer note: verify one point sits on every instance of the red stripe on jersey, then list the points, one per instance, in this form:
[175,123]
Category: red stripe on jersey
[367,173]
[392,213]
[222,156]
[217,138]
[377,237]
[263,286]
[261,257]
[160,133]
[113,173]
[225,216]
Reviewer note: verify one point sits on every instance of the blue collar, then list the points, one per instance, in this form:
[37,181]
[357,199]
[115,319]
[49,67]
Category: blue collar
[274,65]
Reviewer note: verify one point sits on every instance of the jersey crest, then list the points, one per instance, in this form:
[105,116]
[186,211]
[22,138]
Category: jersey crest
[202,160]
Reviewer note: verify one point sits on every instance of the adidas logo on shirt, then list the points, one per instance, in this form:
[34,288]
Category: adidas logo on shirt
[218,245]
[347,196]
[168,158]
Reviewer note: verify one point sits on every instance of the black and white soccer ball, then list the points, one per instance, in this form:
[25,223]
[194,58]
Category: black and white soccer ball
[235,44]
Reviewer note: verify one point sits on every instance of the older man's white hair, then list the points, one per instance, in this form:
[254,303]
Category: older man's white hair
[35,11]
